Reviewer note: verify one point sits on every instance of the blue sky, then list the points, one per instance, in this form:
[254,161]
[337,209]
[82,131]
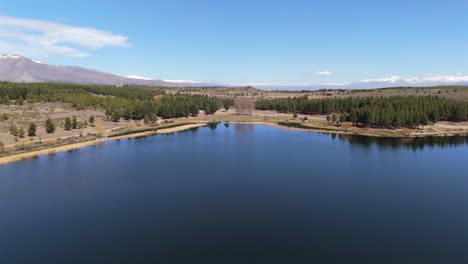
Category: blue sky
[273,42]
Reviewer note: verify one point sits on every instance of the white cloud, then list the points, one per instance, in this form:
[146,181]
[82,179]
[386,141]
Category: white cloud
[41,38]
[323,73]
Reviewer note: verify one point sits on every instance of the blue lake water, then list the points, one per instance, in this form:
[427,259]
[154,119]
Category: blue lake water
[240,194]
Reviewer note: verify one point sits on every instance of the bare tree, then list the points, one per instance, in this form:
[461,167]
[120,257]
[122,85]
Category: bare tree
[244,106]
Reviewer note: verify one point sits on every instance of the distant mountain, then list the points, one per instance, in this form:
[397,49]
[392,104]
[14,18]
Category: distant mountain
[14,68]
[394,81]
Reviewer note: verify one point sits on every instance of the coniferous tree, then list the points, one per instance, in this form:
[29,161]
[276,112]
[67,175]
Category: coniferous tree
[115,117]
[32,130]
[49,126]
[13,130]
[67,124]
[353,116]
[342,117]
[91,120]
[74,123]
[21,132]
[424,119]
[153,117]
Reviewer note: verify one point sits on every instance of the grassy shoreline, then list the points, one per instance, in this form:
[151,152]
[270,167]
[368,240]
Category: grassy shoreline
[55,149]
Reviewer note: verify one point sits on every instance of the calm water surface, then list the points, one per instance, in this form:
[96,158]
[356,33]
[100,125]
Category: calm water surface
[240,194]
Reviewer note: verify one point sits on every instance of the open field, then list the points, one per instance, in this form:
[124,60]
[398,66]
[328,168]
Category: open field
[37,113]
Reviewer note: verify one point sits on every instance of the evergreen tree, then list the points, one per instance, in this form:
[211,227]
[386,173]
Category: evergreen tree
[342,117]
[193,108]
[68,123]
[115,117]
[153,117]
[328,118]
[353,116]
[21,132]
[424,119]
[13,130]
[32,130]
[74,123]
[49,126]
[227,104]
[91,120]
[399,119]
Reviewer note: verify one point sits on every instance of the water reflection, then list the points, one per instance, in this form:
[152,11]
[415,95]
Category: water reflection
[245,128]
[409,143]
[212,125]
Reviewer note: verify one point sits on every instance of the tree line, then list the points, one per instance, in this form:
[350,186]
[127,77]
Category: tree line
[396,111]
[129,102]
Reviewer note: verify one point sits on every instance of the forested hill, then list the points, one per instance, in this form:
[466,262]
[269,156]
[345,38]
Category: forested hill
[396,111]
[129,102]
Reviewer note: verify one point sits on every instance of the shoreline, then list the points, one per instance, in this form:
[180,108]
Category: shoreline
[318,130]
[54,150]
[170,130]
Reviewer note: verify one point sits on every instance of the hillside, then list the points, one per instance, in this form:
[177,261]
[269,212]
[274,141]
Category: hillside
[14,68]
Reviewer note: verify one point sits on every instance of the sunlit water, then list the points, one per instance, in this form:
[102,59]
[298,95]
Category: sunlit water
[240,194]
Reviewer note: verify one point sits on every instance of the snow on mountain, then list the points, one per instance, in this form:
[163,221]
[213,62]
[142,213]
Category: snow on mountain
[15,68]
[137,77]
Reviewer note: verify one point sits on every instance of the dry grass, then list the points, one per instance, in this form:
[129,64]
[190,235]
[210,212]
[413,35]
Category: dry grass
[23,115]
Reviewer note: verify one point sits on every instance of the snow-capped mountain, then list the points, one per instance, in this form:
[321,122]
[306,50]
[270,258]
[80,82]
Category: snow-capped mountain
[15,68]
[393,81]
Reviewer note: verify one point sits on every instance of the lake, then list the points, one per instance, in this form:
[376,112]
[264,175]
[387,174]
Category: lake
[240,194]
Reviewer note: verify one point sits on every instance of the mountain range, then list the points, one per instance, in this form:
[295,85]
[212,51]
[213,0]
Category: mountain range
[393,81]
[15,68]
